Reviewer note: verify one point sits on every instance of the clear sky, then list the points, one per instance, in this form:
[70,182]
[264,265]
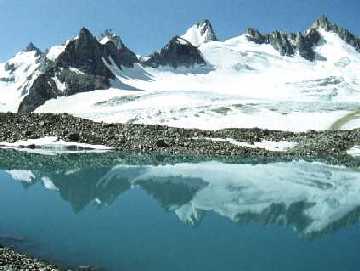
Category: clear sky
[146,25]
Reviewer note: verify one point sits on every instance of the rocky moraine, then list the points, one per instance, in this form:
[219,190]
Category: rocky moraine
[150,139]
[11,261]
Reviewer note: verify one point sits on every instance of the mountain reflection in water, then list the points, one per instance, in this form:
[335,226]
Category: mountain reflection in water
[311,198]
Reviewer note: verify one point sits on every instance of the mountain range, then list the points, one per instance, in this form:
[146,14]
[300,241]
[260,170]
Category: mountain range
[267,80]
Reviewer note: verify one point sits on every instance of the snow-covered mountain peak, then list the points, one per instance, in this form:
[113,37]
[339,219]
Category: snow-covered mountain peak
[16,77]
[207,84]
[200,33]
[323,22]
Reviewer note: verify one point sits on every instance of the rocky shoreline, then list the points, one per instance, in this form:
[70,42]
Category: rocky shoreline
[134,139]
[13,261]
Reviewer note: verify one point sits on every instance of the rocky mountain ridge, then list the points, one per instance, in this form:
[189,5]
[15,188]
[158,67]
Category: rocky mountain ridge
[87,63]
[82,66]
[303,43]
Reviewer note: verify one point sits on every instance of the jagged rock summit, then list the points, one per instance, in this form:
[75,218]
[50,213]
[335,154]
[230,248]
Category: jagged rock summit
[288,43]
[303,43]
[31,47]
[85,65]
[182,51]
[324,23]
[200,33]
[90,56]
[178,52]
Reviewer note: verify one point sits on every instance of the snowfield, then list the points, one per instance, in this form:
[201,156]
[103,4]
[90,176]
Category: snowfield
[16,76]
[244,85]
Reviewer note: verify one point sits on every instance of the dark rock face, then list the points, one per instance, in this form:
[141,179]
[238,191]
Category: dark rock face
[323,22]
[43,89]
[288,43]
[178,52]
[282,43]
[76,83]
[85,53]
[206,26]
[123,55]
[88,55]
[255,36]
[31,47]
[305,44]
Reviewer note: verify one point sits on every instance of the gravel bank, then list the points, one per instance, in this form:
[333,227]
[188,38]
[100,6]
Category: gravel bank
[13,261]
[148,139]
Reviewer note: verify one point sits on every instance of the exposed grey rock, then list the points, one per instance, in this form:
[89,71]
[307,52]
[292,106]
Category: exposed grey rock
[255,36]
[206,26]
[282,43]
[76,83]
[31,47]
[88,55]
[108,35]
[10,67]
[323,22]
[306,42]
[177,53]
[287,44]
[43,89]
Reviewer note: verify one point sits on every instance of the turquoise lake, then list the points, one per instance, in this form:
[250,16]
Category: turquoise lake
[182,215]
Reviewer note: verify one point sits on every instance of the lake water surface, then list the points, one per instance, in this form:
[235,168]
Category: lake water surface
[183,215]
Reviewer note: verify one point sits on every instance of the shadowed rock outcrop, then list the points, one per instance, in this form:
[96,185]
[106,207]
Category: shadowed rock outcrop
[323,22]
[83,66]
[31,47]
[88,55]
[207,28]
[177,53]
[44,88]
[288,44]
